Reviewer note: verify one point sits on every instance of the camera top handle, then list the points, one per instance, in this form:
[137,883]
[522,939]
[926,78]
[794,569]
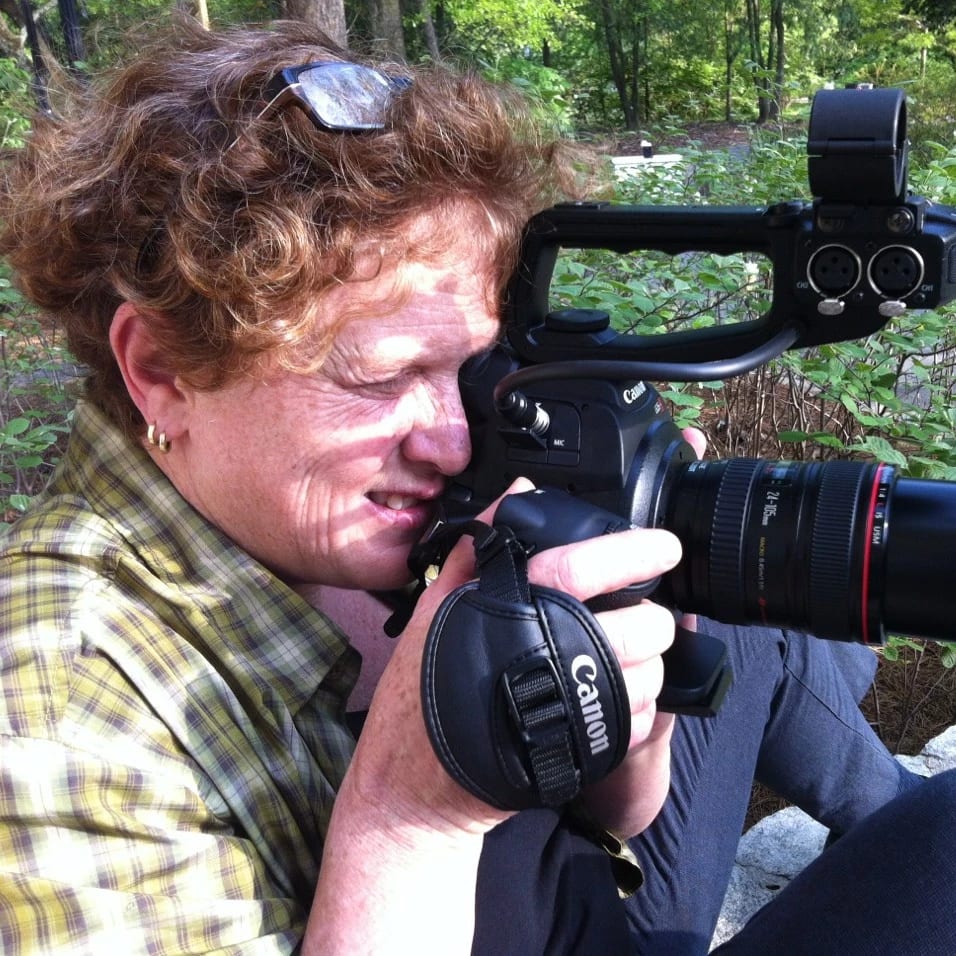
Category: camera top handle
[844,264]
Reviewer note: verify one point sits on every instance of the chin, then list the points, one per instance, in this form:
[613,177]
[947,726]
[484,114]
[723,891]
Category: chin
[383,575]
[391,582]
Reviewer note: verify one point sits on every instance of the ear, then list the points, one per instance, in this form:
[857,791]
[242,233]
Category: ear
[154,388]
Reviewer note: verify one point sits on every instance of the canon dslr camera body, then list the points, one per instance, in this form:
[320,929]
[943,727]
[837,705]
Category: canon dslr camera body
[842,550]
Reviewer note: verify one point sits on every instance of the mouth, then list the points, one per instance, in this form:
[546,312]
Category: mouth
[394,501]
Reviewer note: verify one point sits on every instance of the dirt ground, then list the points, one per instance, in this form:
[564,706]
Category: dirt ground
[706,135]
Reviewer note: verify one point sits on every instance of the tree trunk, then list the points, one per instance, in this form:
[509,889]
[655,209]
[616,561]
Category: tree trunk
[327,15]
[644,107]
[72,35]
[431,34]
[769,71]
[387,35]
[617,59]
[779,58]
[759,68]
[732,44]
[38,65]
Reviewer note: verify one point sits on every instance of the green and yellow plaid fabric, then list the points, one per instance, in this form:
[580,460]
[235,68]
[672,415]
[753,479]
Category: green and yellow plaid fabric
[171,733]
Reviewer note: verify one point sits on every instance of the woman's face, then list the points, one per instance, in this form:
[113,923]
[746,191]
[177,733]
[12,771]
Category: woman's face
[330,478]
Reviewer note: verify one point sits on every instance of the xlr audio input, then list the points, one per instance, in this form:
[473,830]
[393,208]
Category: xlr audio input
[896,271]
[834,270]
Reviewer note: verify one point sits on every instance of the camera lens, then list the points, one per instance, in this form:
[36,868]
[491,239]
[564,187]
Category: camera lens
[842,550]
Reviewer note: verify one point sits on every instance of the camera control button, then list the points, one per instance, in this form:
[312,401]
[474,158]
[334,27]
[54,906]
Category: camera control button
[831,307]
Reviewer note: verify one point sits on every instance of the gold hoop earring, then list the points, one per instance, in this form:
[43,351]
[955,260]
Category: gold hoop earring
[159,441]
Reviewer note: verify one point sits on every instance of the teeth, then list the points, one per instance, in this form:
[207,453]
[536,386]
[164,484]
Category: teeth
[395,502]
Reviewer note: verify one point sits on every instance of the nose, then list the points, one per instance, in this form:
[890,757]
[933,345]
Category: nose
[439,435]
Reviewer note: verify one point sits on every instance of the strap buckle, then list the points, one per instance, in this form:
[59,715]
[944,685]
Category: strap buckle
[541,715]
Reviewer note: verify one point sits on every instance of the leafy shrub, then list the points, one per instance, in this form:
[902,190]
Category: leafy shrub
[14,103]
[34,367]
[35,402]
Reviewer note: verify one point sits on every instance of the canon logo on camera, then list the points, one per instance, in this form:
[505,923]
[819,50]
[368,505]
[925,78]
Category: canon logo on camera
[632,394]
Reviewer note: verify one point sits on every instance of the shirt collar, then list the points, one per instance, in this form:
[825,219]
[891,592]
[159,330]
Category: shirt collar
[251,620]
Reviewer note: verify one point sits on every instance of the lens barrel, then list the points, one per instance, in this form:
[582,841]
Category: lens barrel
[842,550]
[920,594]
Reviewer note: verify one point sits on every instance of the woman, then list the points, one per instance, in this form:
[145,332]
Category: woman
[273,261]
[273,295]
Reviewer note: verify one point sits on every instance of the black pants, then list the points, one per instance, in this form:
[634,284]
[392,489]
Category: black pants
[792,720]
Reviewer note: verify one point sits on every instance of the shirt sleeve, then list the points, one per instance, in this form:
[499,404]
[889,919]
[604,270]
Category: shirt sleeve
[168,749]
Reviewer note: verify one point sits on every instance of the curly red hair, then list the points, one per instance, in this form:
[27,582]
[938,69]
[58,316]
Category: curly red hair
[158,185]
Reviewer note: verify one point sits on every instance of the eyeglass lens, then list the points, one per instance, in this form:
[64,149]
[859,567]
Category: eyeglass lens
[347,95]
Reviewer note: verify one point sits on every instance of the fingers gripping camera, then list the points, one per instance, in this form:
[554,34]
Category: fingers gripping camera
[523,697]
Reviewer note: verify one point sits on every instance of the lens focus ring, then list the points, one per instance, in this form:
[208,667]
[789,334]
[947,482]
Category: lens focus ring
[726,564]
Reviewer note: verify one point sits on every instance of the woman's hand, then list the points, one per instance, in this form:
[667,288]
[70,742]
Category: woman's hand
[400,862]
[630,797]
[400,818]
[395,761]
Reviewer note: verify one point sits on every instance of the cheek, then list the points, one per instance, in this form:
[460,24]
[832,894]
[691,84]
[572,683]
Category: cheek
[368,430]
[345,448]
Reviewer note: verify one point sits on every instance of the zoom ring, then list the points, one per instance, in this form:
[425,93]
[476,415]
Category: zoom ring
[828,603]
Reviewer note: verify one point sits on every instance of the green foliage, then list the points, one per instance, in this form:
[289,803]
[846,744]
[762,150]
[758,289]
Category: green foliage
[486,30]
[937,14]
[34,408]
[15,103]
[35,404]
[108,26]
[546,88]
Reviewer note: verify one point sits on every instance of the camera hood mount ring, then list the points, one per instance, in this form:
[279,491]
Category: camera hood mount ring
[857,146]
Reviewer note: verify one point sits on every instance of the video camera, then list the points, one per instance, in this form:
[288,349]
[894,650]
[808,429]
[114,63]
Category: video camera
[843,550]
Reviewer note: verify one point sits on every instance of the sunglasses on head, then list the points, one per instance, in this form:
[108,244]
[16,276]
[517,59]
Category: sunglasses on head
[336,96]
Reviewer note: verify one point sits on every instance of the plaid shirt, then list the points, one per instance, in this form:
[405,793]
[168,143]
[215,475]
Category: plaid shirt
[171,733]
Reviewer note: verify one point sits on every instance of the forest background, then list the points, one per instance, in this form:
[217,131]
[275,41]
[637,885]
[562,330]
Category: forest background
[724,87]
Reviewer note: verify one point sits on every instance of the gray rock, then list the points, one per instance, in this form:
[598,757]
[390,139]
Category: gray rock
[940,753]
[770,854]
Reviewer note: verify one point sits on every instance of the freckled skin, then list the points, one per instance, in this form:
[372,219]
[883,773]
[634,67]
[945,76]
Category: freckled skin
[327,478]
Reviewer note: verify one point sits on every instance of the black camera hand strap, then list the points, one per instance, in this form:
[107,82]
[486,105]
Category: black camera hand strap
[523,698]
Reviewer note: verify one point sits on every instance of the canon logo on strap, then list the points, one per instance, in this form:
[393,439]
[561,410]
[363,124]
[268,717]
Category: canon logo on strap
[584,672]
